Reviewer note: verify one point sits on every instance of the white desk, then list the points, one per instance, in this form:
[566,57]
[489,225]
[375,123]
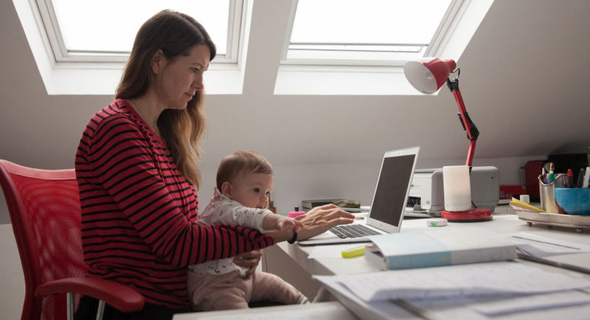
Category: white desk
[326,310]
[292,264]
[291,261]
[502,223]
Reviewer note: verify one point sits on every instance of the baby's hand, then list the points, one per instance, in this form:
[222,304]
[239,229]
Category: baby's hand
[288,224]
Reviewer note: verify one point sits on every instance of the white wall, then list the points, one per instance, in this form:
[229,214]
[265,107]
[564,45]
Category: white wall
[354,181]
[523,80]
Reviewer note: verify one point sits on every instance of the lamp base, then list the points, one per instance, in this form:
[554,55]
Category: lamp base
[472,215]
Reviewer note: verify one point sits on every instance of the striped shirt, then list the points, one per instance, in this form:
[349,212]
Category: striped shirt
[139,211]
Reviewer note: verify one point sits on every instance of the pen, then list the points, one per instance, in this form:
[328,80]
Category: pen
[581,178]
[585,183]
[570,178]
[551,177]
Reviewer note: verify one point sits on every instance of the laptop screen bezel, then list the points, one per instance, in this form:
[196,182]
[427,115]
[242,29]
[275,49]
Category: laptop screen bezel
[389,154]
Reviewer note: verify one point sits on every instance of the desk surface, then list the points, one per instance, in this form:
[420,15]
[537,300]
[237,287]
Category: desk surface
[502,223]
[326,310]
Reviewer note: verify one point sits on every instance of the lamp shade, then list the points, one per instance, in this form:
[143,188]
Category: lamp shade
[429,74]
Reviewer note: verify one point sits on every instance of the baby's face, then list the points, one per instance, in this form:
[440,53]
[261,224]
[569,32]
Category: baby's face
[252,190]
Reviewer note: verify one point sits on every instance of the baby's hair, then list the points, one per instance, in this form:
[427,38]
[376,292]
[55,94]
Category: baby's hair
[241,162]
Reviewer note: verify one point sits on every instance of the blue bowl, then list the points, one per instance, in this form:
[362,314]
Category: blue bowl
[573,200]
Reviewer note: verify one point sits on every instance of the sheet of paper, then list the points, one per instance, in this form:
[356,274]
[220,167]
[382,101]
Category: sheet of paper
[524,307]
[540,246]
[391,310]
[482,279]
[331,251]
[579,312]
[363,309]
[534,302]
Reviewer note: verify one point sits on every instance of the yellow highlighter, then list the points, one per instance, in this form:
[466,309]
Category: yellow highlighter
[354,252]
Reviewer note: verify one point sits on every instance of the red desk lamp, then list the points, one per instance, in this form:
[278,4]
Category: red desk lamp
[427,76]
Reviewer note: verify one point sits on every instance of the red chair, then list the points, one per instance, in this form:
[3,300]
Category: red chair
[44,207]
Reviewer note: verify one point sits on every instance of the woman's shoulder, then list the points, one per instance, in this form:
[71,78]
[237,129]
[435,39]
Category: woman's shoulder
[116,114]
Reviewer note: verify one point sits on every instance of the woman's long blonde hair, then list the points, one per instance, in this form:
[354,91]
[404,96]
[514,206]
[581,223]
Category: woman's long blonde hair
[175,34]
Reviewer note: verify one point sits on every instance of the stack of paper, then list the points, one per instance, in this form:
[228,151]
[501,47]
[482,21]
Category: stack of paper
[563,254]
[465,290]
[476,280]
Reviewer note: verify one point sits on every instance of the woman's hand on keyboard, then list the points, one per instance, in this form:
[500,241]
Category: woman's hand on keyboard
[319,219]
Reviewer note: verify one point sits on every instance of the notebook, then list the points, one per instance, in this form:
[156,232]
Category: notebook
[389,201]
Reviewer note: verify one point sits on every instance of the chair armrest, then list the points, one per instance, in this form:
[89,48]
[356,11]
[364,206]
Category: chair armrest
[119,296]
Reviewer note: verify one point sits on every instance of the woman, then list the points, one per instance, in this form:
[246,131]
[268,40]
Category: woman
[136,170]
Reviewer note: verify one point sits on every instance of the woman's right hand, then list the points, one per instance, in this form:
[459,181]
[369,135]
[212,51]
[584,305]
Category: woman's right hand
[319,219]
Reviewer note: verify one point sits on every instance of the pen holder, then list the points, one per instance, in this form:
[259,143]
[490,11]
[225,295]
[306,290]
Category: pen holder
[547,192]
[575,201]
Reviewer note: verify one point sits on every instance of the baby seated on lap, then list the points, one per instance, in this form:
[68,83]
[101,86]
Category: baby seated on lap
[241,197]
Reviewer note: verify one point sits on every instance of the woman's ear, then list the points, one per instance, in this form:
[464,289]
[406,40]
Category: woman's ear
[226,189]
[158,62]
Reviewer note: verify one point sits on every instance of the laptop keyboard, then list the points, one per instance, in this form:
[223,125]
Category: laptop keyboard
[353,231]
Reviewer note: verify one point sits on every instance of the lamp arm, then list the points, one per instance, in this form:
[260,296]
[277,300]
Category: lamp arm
[466,122]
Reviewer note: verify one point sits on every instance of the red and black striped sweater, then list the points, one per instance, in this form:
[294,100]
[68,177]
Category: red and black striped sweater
[138,210]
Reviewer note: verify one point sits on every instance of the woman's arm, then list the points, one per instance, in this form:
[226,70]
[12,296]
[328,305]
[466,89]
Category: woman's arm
[318,220]
[121,160]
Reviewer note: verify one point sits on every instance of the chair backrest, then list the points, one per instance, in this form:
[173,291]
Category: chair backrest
[44,207]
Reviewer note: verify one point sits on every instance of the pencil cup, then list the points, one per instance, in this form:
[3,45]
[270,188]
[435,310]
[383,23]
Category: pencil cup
[547,192]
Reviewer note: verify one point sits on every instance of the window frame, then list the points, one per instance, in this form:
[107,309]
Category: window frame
[48,24]
[436,45]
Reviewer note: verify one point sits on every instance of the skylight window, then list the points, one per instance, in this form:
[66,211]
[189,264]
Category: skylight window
[100,31]
[375,32]
[330,47]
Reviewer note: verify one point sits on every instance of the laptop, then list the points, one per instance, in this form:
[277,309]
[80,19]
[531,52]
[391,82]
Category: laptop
[388,206]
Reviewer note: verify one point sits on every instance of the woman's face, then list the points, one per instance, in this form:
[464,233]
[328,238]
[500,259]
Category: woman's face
[179,80]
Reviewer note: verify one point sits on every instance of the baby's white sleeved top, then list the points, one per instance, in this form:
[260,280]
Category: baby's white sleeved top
[222,210]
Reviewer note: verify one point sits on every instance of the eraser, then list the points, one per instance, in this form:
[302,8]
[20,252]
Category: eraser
[295,214]
[436,222]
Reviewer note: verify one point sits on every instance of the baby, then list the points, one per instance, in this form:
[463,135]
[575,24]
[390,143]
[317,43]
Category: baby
[244,183]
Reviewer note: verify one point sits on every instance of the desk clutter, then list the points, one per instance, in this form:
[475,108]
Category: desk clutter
[347,205]
[484,290]
[578,223]
[563,202]
[494,290]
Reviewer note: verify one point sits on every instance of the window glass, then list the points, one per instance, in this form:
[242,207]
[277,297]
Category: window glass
[364,29]
[111,25]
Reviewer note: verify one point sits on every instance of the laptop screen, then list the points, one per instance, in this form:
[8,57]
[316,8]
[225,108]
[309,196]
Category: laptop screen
[389,201]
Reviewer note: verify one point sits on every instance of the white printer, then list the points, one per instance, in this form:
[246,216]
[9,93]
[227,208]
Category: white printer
[426,192]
